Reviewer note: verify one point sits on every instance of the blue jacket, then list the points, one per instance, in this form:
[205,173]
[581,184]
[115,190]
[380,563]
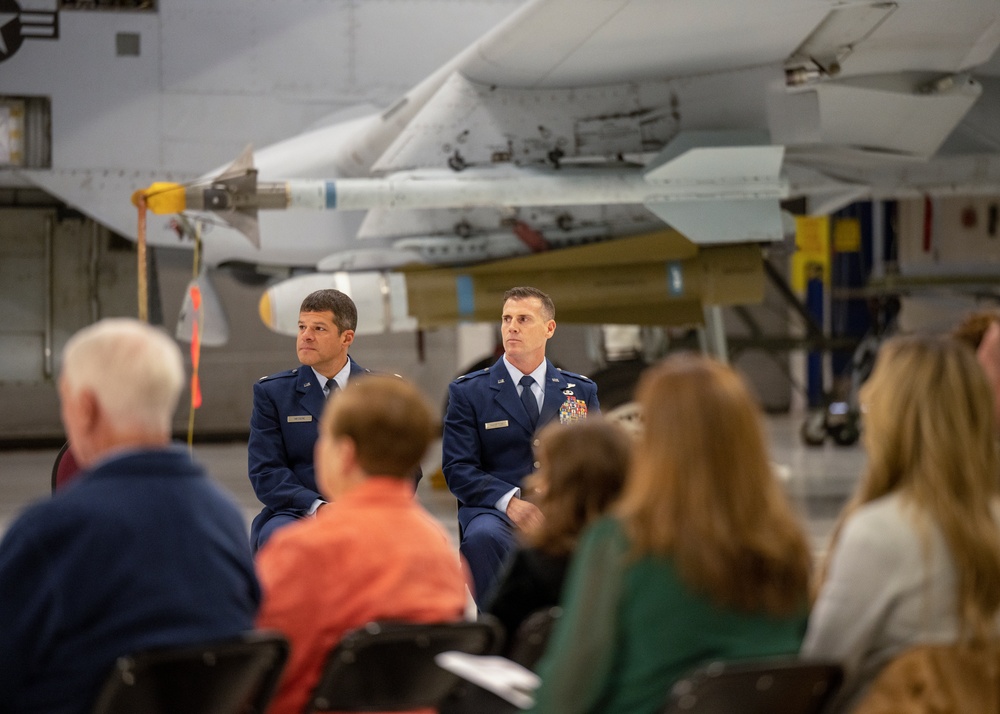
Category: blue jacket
[487,445]
[284,427]
[142,551]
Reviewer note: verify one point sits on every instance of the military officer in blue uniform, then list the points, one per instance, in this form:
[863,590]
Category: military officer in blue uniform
[489,428]
[287,408]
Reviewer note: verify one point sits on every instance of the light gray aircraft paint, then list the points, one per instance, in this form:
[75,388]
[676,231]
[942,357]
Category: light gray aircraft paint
[865,99]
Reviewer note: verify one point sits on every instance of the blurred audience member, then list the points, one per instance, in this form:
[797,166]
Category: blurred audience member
[702,559]
[373,553]
[140,550]
[981,331]
[582,468]
[915,557]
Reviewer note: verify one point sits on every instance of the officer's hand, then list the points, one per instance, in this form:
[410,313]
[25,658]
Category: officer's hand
[526,516]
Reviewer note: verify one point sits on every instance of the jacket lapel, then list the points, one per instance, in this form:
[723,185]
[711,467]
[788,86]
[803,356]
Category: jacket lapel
[505,394]
[310,392]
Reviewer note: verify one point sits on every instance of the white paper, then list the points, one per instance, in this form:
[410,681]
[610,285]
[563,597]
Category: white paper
[499,675]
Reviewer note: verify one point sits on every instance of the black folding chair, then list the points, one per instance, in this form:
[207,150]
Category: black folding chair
[767,686]
[528,643]
[232,676]
[389,666]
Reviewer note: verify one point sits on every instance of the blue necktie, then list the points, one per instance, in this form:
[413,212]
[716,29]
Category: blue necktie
[528,400]
[331,387]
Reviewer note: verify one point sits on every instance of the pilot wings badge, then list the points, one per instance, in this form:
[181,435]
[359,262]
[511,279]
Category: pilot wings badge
[572,410]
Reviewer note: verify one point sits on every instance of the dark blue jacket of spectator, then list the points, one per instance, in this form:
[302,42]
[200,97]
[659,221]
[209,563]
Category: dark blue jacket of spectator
[140,551]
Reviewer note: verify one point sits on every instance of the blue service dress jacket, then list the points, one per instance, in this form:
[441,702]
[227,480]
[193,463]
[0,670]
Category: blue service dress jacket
[488,443]
[284,427]
[141,551]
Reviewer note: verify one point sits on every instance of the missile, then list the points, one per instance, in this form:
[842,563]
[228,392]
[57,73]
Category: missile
[658,278]
[713,187]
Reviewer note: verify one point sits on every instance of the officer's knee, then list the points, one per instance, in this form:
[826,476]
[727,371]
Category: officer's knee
[487,533]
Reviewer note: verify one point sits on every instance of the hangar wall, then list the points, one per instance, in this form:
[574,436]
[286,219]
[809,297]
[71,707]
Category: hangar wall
[955,245]
[60,272]
[57,271]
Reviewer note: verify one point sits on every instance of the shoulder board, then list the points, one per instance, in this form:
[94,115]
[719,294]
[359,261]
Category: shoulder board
[574,375]
[279,375]
[477,373]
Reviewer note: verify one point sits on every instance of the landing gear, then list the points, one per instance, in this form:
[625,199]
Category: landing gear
[838,421]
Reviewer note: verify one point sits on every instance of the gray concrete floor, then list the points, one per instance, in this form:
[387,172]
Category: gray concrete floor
[818,480]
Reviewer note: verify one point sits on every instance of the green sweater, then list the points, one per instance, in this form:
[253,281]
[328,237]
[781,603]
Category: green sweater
[630,630]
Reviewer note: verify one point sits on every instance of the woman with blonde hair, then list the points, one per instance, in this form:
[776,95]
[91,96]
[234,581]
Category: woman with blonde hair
[702,558]
[915,557]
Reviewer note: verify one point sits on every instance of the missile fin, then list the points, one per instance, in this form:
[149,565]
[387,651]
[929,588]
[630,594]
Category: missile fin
[714,222]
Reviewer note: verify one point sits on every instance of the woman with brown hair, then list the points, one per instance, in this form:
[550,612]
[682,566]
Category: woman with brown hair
[915,557]
[702,558]
[581,470]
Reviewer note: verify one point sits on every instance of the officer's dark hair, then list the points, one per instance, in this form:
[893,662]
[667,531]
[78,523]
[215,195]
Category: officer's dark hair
[525,292]
[345,314]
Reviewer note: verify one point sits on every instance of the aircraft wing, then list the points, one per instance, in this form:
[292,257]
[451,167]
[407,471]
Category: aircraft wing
[591,79]
[580,121]
[726,107]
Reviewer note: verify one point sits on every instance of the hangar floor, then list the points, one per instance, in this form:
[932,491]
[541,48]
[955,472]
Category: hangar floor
[819,480]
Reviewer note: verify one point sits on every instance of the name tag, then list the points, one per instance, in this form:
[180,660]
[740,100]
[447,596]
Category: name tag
[496,424]
[295,419]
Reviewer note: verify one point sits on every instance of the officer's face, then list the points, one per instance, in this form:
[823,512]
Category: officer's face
[525,330]
[320,344]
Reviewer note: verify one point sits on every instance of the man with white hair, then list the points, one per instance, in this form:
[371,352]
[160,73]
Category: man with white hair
[141,550]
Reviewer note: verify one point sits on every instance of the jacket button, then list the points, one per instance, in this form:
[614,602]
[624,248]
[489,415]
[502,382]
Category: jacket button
[536,442]
[538,464]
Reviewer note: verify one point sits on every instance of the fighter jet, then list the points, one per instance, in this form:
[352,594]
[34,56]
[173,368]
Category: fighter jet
[631,157]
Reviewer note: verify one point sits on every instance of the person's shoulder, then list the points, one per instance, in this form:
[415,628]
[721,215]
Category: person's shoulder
[606,535]
[891,506]
[575,376]
[885,522]
[47,521]
[357,369]
[471,377]
[607,524]
[36,517]
[277,376]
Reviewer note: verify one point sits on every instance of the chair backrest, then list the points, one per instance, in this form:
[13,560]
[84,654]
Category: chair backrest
[767,686]
[528,643]
[233,676]
[64,468]
[389,666]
